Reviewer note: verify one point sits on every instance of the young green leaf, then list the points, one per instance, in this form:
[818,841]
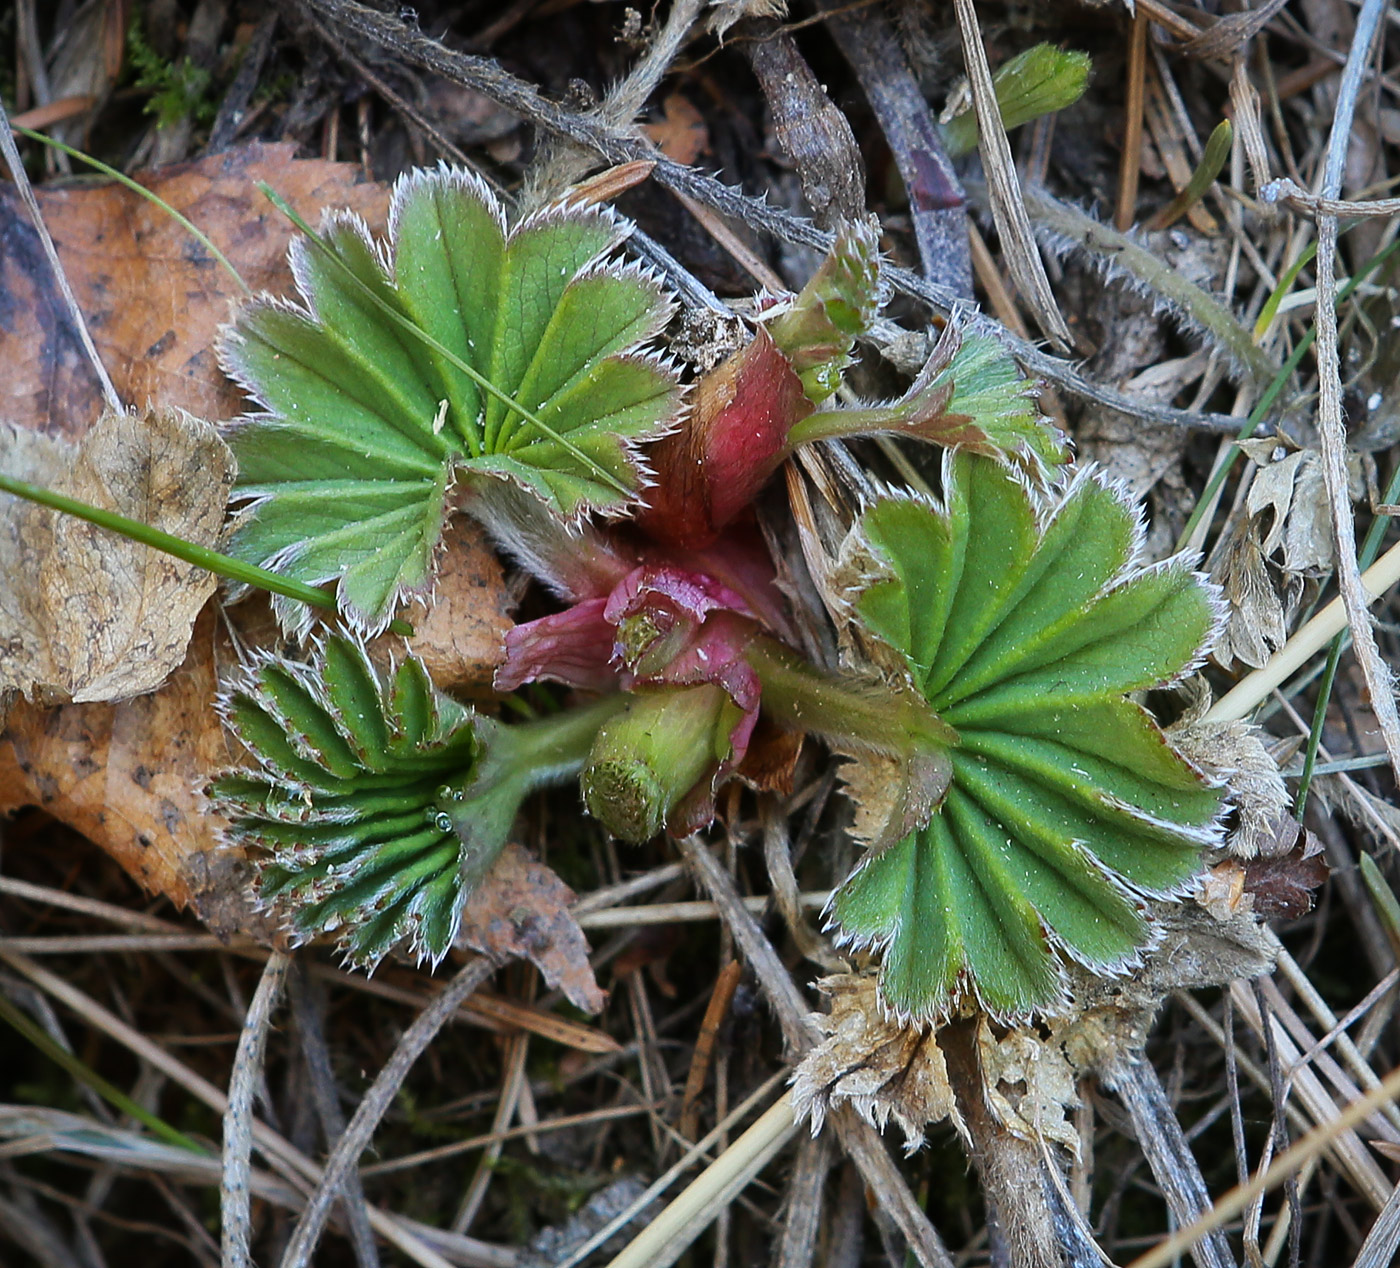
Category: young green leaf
[457,345]
[1025,627]
[820,326]
[378,803]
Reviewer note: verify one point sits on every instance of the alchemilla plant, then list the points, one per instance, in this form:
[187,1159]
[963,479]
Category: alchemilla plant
[519,372]
[1029,623]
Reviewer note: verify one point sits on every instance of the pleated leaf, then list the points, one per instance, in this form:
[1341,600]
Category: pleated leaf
[1027,625]
[457,344]
[346,812]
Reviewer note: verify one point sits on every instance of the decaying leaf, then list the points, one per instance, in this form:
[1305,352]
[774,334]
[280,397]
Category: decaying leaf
[1289,484]
[85,614]
[127,777]
[883,1068]
[681,135]
[460,632]
[1256,624]
[1030,1084]
[725,13]
[1281,881]
[522,908]
[153,296]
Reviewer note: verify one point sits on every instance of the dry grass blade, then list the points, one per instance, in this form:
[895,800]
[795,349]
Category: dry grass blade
[1131,161]
[1252,690]
[281,1154]
[668,1237]
[1346,1146]
[1004,187]
[234,1192]
[1331,427]
[356,1137]
[1286,1164]
[665,1180]
[1383,1241]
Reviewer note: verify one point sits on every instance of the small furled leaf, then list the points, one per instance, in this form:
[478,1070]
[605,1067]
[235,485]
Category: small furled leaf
[819,329]
[379,804]
[969,395]
[457,344]
[1025,626]
[1037,82]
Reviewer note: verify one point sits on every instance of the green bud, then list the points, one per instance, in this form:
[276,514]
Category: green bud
[1039,81]
[647,757]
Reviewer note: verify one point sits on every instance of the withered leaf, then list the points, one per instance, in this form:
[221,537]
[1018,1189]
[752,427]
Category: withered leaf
[126,776]
[1282,885]
[1030,1085]
[522,908]
[1256,624]
[87,615]
[883,1069]
[154,298]
[1290,485]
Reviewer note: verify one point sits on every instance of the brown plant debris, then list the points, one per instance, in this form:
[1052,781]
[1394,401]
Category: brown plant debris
[522,908]
[89,615]
[878,1066]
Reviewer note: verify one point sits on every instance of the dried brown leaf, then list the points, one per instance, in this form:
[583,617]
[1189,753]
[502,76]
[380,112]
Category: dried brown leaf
[1282,885]
[522,909]
[1222,889]
[881,1068]
[1030,1085]
[725,13]
[127,777]
[1290,485]
[460,634]
[88,615]
[681,134]
[154,298]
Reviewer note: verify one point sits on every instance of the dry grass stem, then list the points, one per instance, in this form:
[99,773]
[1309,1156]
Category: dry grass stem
[234,1193]
[1018,246]
[356,1137]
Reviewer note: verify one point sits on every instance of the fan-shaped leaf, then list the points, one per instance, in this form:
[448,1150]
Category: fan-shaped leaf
[378,803]
[1026,625]
[457,344]
[347,814]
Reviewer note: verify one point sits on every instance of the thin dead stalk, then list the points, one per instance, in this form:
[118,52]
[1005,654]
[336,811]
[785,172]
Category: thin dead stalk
[1331,426]
[1018,245]
[1288,1163]
[243,1082]
[356,1137]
